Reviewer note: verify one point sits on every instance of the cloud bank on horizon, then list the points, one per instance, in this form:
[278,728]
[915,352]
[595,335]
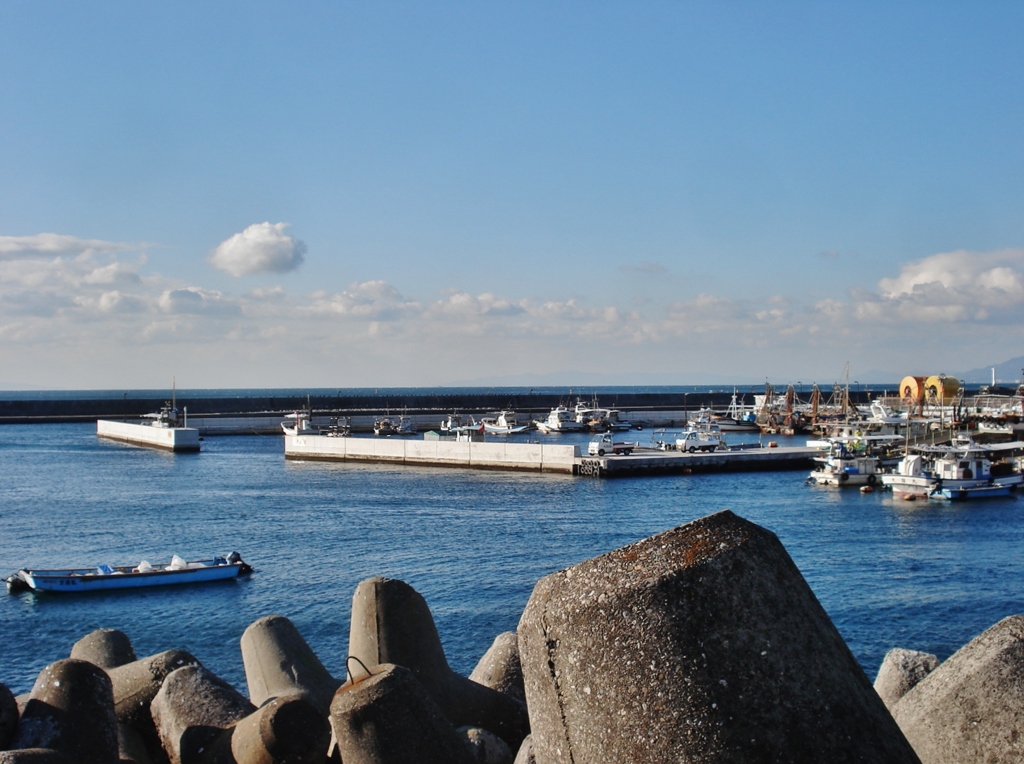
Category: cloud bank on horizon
[64,297]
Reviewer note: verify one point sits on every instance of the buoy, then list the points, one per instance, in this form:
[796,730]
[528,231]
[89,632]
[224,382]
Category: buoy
[909,497]
[772,444]
[867,489]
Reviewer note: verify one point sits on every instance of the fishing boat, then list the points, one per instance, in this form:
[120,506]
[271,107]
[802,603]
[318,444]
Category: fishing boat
[299,424]
[503,424]
[956,472]
[560,419]
[104,577]
[844,465]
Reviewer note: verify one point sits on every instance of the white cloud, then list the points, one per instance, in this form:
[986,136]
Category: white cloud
[260,248]
[53,244]
[197,301]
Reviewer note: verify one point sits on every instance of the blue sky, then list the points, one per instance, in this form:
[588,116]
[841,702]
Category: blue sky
[336,194]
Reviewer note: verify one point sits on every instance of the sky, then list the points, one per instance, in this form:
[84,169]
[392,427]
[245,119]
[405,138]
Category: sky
[337,194]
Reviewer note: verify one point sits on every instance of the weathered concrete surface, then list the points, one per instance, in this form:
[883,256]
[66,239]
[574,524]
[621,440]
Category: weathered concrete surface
[525,755]
[971,708]
[71,710]
[287,730]
[485,747]
[107,648]
[390,718]
[136,684]
[131,747]
[8,716]
[701,644]
[35,756]
[900,671]
[500,668]
[391,623]
[279,663]
[192,709]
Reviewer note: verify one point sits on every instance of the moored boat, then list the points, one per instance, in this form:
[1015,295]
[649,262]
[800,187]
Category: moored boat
[104,577]
[560,419]
[503,424]
[844,466]
[957,472]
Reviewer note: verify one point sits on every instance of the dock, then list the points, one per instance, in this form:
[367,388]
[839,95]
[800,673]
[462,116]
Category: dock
[542,457]
[177,439]
[645,461]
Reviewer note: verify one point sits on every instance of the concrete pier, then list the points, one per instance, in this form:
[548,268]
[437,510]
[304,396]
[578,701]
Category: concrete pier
[504,455]
[167,438]
[652,461]
[542,457]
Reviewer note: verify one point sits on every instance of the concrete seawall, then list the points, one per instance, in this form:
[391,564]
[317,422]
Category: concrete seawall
[537,457]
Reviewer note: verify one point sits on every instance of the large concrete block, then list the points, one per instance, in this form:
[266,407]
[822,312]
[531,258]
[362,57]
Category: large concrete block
[71,710]
[136,684]
[191,711]
[284,731]
[701,644]
[390,718]
[279,663]
[525,755]
[391,623]
[900,671]
[8,716]
[485,747]
[107,648]
[971,708]
[500,668]
[131,746]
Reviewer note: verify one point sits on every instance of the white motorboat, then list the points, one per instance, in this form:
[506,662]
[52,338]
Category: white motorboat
[560,419]
[299,424]
[503,424]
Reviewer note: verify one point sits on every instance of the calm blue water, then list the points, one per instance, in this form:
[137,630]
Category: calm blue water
[923,576]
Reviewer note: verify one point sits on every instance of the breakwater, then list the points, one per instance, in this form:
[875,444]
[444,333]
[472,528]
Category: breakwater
[703,643]
[83,407]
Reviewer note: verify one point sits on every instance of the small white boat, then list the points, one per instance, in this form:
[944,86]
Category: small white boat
[560,419]
[103,577]
[503,424]
[300,424]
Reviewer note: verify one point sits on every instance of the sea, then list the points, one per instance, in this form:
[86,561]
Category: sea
[921,575]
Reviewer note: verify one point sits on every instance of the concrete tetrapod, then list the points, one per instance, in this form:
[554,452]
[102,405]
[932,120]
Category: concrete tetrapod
[192,709]
[35,756]
[390,718]
[701,644]
[8,716]
[107,648]
[136,684]
[279,663]
[71,710]
[500,668]
[900,671]
[391,623]
[283,731]
[971,708]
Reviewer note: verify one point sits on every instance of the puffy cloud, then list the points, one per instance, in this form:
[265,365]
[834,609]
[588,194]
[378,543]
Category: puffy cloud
[260,248]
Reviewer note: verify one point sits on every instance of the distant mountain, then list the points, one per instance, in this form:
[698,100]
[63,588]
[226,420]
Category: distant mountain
[597,379]
[1007,373]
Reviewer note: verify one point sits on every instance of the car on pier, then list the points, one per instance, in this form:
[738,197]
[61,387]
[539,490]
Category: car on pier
[604,445]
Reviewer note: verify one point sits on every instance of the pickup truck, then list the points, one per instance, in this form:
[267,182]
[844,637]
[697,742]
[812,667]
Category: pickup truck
[605,444]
